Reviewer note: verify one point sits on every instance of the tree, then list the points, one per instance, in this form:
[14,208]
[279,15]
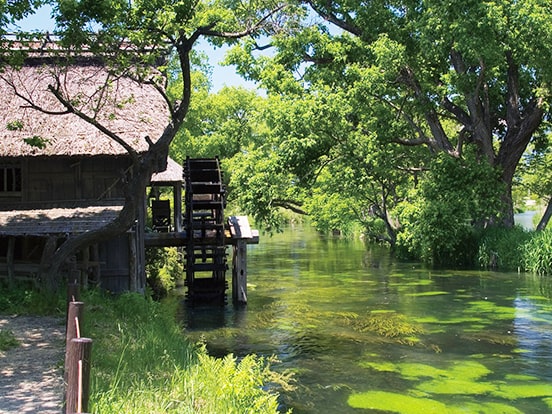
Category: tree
[432,75]
[134,39]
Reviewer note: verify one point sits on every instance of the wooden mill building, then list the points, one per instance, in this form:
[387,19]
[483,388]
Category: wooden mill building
[60,176]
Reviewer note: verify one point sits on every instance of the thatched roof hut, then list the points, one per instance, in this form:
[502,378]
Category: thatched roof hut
[61,176]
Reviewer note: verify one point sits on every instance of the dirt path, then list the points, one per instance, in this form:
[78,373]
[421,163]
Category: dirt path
[31,377]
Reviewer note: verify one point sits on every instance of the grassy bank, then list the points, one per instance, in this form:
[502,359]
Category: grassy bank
[142,363]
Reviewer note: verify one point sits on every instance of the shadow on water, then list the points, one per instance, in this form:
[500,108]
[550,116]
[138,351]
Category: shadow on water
[365,333]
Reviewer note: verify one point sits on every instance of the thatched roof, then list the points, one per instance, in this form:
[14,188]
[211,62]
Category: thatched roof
[56,221]
[173,174]
[129,109]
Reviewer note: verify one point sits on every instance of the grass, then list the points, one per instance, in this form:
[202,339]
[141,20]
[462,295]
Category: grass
[142,363]
[7,340]
[538,253]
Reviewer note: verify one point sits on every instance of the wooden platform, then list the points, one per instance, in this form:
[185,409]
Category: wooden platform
[181,239]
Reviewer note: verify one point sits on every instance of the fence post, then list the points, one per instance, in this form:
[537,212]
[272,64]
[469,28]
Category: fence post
[72,331]
[78,375]
[74,317]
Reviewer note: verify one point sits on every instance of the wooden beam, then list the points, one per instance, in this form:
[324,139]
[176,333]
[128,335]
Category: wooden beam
[10,260]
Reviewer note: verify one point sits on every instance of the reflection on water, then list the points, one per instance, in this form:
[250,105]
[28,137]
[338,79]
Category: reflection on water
[364,333]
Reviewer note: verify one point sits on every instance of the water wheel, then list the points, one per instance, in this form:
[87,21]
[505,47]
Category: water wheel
[204,224]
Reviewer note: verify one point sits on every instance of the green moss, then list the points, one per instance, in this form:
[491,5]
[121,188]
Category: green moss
[521,351]
[432,293]
[517,391]
[380,366]
[485,408]
[395,403]
[453,386]
[520,377]
[498,312]
[469,369]
[548,402]
[415,371]
[422,282]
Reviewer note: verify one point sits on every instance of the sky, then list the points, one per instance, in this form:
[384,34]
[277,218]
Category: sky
[222,75]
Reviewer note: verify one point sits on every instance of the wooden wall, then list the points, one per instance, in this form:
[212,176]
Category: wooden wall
[59,178]
[49,181]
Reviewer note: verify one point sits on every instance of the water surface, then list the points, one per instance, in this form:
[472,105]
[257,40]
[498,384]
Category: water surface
[365,333]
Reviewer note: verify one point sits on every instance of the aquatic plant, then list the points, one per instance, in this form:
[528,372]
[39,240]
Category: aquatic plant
[537,253]
[523,390]
[431,293]
[502,248]
[386,324]
[395,403]
[460,378]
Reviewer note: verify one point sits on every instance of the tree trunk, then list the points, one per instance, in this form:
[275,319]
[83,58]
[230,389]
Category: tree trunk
[137,180]
[546,216]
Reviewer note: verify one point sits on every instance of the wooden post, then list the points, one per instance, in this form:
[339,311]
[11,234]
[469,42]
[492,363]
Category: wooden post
[177,202]
[85,266]
[95,256]
[132,265]
[239,272]
[72,331]
[10,260]
[74,318]
[78,375]
[49,249]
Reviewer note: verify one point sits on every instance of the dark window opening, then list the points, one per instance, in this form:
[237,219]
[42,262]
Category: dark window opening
[10,179]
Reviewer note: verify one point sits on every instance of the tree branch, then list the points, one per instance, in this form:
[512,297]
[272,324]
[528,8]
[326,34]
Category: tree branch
[332,18]
[208,29]
[30,102]
[432,118]
[71,109]
[289,205]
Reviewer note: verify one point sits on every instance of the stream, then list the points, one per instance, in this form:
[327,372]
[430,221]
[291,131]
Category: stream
[363,332]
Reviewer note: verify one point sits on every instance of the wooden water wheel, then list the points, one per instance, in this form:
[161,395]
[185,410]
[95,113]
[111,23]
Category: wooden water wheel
[204,224]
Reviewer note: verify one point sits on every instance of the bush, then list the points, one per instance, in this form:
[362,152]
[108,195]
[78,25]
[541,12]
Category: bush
[502,248]
[537,253]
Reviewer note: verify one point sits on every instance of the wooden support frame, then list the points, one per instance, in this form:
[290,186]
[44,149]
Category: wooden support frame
[242,235]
